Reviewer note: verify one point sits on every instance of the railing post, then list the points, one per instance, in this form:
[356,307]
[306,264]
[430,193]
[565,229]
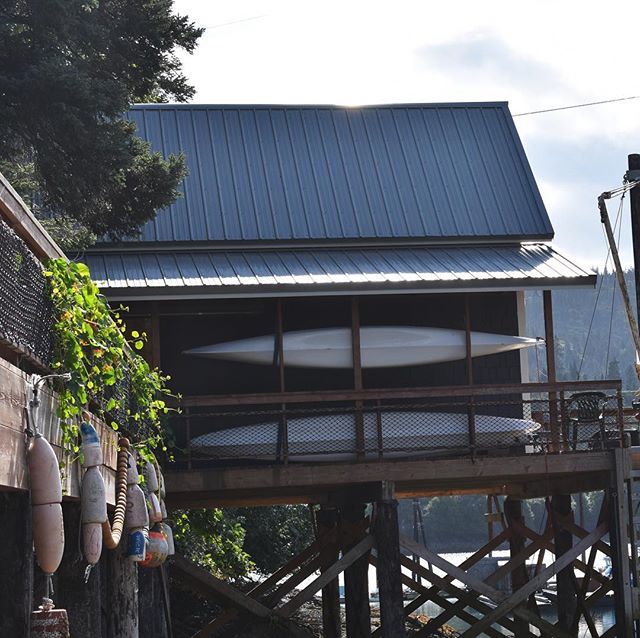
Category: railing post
[471,410]
[551,368]
[619,417]
[187,414]
[357,375]
[283,433]
[379,429]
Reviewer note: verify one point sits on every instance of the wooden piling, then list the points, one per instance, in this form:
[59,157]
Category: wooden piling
[513,513]
[81,600]
[326,520]
[563,540]
[122,595]
[386,532]
[16,558]
[356,582]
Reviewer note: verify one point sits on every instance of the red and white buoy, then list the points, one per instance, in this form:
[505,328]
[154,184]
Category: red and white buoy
[48,622]
[93,494]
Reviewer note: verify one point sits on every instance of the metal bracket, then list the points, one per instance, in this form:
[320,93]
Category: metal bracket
[632,175]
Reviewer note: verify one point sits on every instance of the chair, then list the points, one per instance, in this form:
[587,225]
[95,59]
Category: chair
[586,408]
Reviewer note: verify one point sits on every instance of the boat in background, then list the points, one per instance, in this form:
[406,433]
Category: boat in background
[331,437]
[381,347]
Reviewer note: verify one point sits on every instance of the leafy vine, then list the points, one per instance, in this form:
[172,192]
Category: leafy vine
[90,343]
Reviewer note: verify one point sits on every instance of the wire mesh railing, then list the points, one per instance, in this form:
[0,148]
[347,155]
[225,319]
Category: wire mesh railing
[370,425]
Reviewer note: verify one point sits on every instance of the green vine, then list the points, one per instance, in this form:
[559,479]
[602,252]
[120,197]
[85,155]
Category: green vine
[90,343]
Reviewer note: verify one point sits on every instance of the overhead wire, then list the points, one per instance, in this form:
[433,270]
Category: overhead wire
[578,106]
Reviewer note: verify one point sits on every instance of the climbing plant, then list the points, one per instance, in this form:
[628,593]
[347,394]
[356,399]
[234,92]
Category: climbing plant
[91,344]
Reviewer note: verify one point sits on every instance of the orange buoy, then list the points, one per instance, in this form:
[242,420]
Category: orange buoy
[157,549]
[46,499]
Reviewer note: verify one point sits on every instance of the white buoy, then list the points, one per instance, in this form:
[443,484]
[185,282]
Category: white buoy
[155,514]
[163,493]
[150,477]
[163,509]
[137,515]
[91,449]
[168,532]
[46,499]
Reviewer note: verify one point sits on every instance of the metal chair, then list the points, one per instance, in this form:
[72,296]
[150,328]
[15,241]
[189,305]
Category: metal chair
[586,408]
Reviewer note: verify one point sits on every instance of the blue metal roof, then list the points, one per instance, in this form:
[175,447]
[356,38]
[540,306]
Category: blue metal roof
[204,273]
[427,171]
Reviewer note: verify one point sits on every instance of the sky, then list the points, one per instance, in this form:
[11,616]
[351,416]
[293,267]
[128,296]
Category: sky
[535,55]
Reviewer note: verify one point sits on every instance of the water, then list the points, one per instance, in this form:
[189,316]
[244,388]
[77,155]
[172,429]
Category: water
[603,618]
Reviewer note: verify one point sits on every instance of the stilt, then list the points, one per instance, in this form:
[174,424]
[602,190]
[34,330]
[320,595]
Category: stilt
[567,602]
[122,595]
[16,558]
[80,599]
[513,513]
[385,530]
[150,610]
[327,519]
[356,583]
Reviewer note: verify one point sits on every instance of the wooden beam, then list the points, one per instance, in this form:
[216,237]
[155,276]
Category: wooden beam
[315,586]
[356,580]
[385,530]
[513,514]
[534,584]
[332,396]
[326,521]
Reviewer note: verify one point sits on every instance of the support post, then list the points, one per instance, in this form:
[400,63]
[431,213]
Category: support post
[81,600]
[387,536]
[551,369]
[634,198]
[563,541]
[471,410]
[618,526]
[122,595]
[326,520]
[356,582]
[150,611]
[519,578]
[357,374]
[16,558]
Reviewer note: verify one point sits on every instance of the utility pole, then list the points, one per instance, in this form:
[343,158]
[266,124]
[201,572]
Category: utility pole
[634,197]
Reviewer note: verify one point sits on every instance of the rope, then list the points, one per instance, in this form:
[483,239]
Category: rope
[111,534]
[618,223]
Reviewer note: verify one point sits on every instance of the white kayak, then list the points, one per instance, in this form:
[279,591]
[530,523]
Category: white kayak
[332,437]
[381,347]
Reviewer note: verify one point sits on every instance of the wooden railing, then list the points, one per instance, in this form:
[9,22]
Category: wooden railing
[370,424]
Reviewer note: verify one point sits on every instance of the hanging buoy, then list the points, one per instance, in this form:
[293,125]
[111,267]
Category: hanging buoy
[157,549]
[150,477]
[168,532]
[163,493]
[136,520]
[93,495]
[163,509]
[46,499]
[155,513]
[49,622]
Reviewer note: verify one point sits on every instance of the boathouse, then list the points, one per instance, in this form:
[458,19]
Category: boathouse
[311,218]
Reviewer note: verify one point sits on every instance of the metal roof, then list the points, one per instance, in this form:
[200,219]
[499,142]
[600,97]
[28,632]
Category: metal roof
[203,273]
[428,171]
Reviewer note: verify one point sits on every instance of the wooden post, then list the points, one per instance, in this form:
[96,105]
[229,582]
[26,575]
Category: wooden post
[385,530]
[634,198]
[81,600]
[122,595]
[471,410]
[619,536]
[551,369]
[326,520]
[519,578]
[150,609]
[563,540]
[356,583]
[16,558]
[357,374]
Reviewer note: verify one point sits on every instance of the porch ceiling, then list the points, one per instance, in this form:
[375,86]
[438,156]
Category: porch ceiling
[320,271]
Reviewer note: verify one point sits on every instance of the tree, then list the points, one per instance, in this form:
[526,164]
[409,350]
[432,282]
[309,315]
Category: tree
[69,70]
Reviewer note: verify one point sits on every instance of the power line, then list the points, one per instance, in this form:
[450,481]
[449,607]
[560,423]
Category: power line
[226,24]
[578,106]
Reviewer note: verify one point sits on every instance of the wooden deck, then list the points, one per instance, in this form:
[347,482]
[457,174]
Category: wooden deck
[522,476]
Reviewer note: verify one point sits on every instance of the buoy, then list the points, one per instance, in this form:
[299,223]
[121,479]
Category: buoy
[168,532]
[163,493]
[137,545]
[93,495]
[150,477]
[136,520]
[155,513]
[163,509]
[157,549]
[46,510]
[49,622]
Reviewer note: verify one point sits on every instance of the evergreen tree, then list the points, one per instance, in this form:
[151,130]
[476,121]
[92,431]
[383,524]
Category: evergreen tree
[69,70]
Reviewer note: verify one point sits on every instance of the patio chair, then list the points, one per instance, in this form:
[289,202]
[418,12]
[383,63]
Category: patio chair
[586,409]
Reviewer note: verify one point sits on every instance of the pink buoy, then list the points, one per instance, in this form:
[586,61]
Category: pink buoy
[48,535]
[92,542]
[44,473]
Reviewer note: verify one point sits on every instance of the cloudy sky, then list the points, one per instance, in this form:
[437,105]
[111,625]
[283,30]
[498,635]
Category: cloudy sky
[535,55]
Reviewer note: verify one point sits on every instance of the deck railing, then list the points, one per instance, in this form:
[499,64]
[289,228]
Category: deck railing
[379,424]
